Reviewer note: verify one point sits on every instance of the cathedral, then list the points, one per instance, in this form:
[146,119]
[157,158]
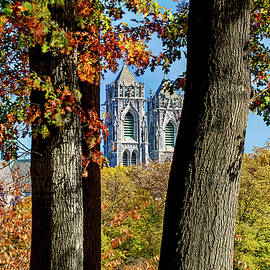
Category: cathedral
[140,129]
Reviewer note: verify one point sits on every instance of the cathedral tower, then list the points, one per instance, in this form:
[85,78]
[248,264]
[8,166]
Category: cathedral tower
[164,110]
[134,135]
[127,143]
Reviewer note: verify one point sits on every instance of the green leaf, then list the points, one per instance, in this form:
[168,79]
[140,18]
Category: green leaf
[59,120]
[7,10]
[45,47]
[28,6]
[78,95]
[44,131]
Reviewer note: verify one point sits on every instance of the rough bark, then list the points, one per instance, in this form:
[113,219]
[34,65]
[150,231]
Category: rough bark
[202,193]
[57,226]
[91,188]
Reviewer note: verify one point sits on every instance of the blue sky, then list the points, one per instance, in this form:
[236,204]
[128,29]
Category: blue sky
[257,132]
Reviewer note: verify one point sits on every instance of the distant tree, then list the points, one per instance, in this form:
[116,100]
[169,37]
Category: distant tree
[152,177]
[252,241]
[131,216]
[15,235]
[203,186]
[15,223]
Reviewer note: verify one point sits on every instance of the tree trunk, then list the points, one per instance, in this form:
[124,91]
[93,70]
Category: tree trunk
[57,227]
[202,193]
[91,188]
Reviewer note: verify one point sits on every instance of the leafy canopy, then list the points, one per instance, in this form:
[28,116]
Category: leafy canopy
[100,37]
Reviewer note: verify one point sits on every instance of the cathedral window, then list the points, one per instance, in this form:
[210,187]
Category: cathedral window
[133,158]
[169,135]
[129,126]
[125,159]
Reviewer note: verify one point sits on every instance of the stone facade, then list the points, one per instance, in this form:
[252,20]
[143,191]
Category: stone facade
[134,135]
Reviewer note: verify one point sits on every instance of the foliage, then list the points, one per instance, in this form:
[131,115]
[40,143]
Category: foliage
[152,177]
[102,37]
[127,222]
[99,40]
[15,228]
[252,245]
[260,57]
[133,200]
[259,53]
[133,206]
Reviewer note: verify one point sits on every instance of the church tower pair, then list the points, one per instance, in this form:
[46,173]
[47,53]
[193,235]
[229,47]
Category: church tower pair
[135,136]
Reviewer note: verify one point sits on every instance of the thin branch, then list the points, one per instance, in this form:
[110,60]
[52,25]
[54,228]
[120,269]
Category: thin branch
[259,94]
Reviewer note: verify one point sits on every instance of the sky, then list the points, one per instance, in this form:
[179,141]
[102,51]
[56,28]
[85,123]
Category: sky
[257,133]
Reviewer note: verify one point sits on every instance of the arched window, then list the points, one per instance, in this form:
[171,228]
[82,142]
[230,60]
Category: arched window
[169,135]
[125,159]
[133,158]
[129,126]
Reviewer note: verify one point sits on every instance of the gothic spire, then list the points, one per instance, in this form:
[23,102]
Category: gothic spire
[125,76]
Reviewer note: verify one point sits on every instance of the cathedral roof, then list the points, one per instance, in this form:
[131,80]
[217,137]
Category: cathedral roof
[164,89]
[125,76]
